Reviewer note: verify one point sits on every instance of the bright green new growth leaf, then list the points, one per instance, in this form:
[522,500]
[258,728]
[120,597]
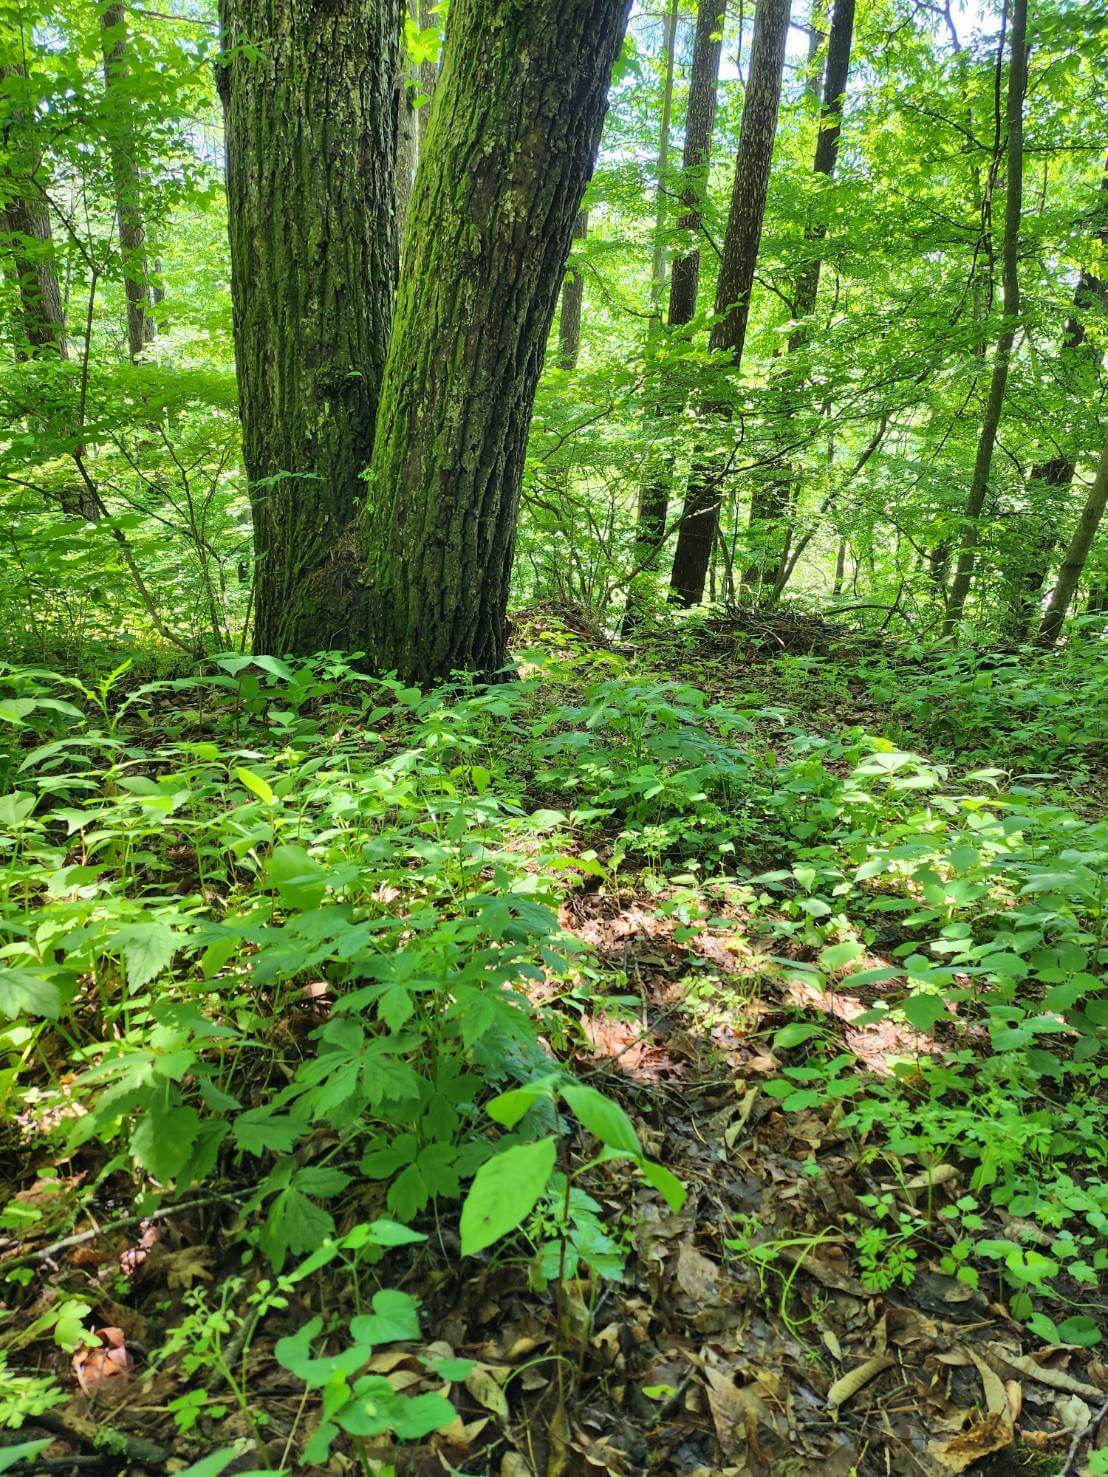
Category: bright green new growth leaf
[504,1192]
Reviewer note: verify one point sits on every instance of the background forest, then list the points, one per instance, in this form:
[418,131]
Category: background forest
[553,697]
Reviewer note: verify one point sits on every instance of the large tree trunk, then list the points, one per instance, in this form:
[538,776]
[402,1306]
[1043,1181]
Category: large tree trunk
[994,405]
[1076,555]
[126,176]
[513,136]
[736,278]
[774,498]
[311,141]
[573,297]
[684,279]
[30,245]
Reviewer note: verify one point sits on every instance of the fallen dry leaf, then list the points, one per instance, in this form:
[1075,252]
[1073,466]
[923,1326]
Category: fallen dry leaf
[696,1275]
[483,1384]
[991,1433]
[847,1387]
[94,1365]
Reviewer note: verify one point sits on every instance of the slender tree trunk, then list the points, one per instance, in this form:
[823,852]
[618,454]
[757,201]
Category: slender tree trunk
[407,135]
[126,174]
[835,76]
[30,244]
[774,498]
[311,141]
[428,73]
[684,278]
[700,120]
[658,257]
[520,103]
[736,278]
[573,296]
[1076,555]
[994,405]
[1079,360]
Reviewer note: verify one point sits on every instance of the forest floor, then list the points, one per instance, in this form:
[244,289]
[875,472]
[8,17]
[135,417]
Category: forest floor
[851,1285]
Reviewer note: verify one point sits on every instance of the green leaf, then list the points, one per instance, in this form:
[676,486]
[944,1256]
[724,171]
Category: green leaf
[146,949]
[296,876]
[25,993]
[1079,1330]
[394,1317]
[793,1034]
[163,1139]
[504,1192]
[510,1107]
[259,1130]
[25,1451]
[295,1224]
[838,955]
[667,1184]
[603,1118]
[213,1465]
[923,1010]
[256,785]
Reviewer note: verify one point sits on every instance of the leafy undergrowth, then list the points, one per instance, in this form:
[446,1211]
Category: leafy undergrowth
[584,1073]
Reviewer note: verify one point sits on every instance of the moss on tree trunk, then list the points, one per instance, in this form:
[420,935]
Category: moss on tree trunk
[512,140]
[310,103]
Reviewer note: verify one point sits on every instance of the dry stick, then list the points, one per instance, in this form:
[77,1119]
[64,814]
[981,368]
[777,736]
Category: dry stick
[47,1252]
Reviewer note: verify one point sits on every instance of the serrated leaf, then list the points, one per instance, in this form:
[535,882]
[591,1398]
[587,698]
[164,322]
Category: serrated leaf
[25,993]
[146,949]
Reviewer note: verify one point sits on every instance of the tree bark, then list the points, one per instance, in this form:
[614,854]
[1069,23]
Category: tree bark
[573,297]
[311,143]
[428,73]
[774,499]
[407,133]
[1078,552]
[658,256]
[513,137]
[684,281]
[26,223]
[1078,362]
[994,405]
[126,175]
[736,278]
[700,120]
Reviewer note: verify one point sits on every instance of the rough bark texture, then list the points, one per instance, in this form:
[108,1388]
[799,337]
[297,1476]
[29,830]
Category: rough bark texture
[736,278]
[26,223]
[126,177]
[311,141]
[573,297]
[1078,552]
[994,405]
[513,136]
